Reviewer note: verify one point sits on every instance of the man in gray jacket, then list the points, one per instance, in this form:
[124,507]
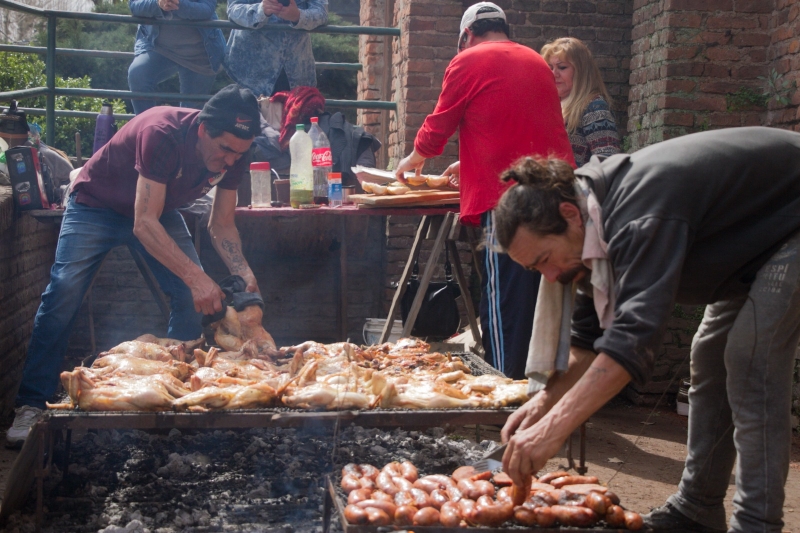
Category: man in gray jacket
[706,219]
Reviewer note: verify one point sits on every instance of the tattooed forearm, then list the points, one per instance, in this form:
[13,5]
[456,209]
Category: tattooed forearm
[233,250]
[145,197]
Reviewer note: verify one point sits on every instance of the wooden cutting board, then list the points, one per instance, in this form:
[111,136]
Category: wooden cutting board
[414,198]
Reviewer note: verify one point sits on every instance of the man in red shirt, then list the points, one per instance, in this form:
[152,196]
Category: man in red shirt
[502,98]
[128,194]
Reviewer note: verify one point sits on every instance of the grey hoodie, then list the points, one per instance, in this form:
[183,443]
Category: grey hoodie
[689,220]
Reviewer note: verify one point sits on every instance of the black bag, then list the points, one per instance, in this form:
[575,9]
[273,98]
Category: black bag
[438,316]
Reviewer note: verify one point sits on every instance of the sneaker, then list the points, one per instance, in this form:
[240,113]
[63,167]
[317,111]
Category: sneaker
[26,417]
[669,518]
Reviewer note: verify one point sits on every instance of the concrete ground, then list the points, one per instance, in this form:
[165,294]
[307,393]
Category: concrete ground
[640,459]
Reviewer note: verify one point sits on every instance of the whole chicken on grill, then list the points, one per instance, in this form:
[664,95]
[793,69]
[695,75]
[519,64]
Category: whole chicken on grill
[239,327]
[120,393]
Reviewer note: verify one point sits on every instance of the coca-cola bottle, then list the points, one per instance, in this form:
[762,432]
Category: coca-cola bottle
[321,161]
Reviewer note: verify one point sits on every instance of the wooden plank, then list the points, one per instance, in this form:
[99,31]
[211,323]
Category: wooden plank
[411,198]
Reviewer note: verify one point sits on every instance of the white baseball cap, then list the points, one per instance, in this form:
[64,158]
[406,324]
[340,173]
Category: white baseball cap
[471,15]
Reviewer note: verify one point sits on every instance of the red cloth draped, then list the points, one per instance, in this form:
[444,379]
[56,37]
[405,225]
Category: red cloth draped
[299,104]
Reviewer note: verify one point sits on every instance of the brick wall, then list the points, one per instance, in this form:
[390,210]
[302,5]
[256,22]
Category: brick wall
[695,66]
[27,248]
[784,58]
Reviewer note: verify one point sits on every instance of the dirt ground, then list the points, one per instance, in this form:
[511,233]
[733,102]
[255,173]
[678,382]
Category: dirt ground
[650,470]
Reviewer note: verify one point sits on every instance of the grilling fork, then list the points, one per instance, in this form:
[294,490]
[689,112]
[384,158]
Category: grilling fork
[491,461]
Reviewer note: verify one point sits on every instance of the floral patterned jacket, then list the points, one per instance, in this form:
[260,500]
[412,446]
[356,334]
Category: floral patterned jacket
[254,59]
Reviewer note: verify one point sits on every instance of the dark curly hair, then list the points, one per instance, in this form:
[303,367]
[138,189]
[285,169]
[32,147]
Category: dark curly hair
[542,185]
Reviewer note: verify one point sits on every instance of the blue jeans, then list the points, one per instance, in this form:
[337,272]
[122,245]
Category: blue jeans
[151,68]
[87,235]
[740,401]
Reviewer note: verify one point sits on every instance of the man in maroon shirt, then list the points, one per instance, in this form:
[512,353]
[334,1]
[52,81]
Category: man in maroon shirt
[503,100]
[128,194]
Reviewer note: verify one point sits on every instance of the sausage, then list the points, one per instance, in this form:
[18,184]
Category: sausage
[465,507]
[467,488]
[438,498]
[504,494]
[484,488]
[404,515]
[488,512]
[454,493]
[615,516]
[402,483]
[380,495]
[449,515]
[569,515]
[633,521]
[572,480]
[501,479]
[525,516]
[393,469]
[545,517]
[613,497]
[367,483]
[369,471]
[546,496]
[463,472]
[409,471]
[377,517]
[387,507]
[359,495]
[355,515]
[426,517]
[547,478]
[350,483]
[421,498]
[433,482]
[520,493]
[351,469]
[386,484]
[482,475]
[597,503]
[403,498]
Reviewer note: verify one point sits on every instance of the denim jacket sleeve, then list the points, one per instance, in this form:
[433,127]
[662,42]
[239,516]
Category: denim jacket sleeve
[146,8]
[197,10]
[247,13]
[315,15]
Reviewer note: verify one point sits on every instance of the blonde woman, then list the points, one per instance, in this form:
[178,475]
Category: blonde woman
[584,99]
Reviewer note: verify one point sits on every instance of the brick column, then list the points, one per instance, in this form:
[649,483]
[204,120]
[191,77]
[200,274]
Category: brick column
[695,66]
[784,58]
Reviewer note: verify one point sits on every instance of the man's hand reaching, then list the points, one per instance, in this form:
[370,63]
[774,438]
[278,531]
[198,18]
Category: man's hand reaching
[169,5]
[207,295]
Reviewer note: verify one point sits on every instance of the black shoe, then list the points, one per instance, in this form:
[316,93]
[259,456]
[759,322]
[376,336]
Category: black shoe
[668,518]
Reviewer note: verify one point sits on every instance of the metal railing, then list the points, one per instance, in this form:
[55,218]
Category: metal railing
[50,91]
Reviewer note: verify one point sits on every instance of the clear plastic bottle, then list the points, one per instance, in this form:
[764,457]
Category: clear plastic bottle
[301,174]
[335,189]
[321,160]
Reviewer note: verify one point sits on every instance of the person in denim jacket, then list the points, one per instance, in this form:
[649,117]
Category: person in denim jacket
[196,54]
[267,62]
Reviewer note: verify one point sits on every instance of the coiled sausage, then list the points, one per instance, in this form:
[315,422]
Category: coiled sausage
[633,521]
[387,507]
[409,471]
[615,516]
[426,517]
[568,515]
[359,495]
[377,517]
[449,515]
[369,471]
[438,498]
[355,515]
[404,515]
[547,478]
[350,483]
[488,512]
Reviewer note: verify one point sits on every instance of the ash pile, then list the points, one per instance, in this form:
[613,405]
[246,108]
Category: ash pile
[266,479]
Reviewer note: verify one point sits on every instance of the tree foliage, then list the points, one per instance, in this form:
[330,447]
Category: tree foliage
[24,71]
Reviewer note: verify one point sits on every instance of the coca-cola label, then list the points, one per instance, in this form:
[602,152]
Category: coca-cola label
[321,157]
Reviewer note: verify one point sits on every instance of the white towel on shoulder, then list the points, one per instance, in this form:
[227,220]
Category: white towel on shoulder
[548,351]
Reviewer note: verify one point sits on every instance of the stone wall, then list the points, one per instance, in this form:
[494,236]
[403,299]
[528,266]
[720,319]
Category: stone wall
[27,249]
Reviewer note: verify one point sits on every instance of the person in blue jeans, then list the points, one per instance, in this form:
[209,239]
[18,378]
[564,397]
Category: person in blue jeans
[195,54]
[128,193]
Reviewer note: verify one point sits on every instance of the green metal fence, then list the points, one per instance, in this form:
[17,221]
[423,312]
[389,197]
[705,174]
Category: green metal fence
[50,52]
